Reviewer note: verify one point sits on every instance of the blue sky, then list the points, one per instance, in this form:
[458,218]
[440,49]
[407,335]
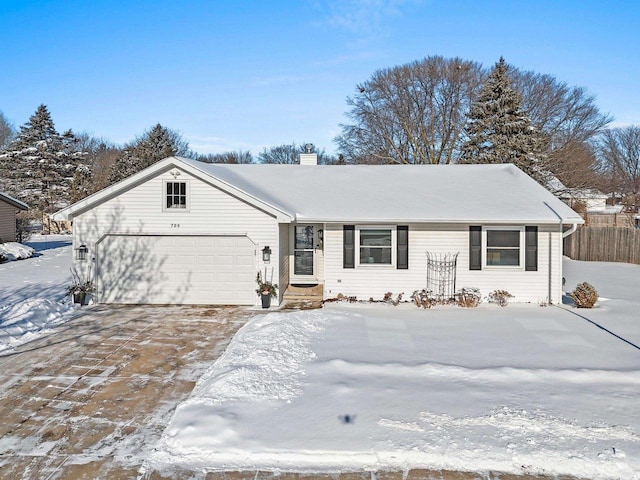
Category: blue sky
[249,74]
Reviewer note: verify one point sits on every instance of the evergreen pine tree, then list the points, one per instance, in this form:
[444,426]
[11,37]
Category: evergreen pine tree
[40,163]
[154,145]
[499,131]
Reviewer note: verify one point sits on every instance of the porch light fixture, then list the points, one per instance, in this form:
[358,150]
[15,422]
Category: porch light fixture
[266,254]
[81,252]
[321,234]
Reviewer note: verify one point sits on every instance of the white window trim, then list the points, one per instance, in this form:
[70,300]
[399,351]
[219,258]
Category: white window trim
[164,195]
[522,248]
[394,246]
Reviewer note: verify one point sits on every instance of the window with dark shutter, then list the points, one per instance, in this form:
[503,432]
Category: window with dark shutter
[403,247]
[348,251]
[531,249]
[475,247]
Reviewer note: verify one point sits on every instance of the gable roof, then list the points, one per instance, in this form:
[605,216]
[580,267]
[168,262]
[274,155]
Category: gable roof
[373,193]
[158,168]
[14,202]
[398,193]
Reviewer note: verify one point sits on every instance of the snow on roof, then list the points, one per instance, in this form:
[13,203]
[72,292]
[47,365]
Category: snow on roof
[16,203]
[583,193]
[397,193]
[554,184]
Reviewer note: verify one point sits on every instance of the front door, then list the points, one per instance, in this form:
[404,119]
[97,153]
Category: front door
[303,250]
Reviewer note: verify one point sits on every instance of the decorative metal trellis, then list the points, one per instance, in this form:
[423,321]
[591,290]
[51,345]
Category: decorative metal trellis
[441,276]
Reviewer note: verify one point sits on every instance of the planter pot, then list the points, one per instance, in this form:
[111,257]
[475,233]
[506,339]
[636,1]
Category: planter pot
[81,298]
[266,301]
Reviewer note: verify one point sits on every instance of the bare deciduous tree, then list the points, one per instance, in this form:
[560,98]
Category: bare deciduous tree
[415,113]
[290,154]
[570,119]
[7,131]
[283,154]
[234,157]
[412,113]
[567,114]
[101,155]
[579,166]
[620,155]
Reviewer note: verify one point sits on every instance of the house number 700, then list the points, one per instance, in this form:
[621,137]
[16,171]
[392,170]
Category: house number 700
[175,225]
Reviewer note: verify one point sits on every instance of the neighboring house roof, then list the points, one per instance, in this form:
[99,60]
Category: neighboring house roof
[375,193]
[554,185]
[12,201]
[582,194]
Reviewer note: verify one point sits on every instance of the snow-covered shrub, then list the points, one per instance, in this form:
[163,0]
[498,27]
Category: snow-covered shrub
[342,298]
[388,298]
[584,296]
[468,297]
[11,251]
[501,297]
[422,298]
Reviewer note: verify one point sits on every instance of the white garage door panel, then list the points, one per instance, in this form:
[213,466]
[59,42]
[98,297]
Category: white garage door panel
[214,270]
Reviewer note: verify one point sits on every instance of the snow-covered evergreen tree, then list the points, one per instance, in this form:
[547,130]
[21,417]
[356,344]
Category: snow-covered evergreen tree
[39,163]
[154,145]
[498,130]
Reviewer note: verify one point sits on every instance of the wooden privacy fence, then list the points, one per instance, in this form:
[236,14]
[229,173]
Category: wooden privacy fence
[604,244]
[609,220]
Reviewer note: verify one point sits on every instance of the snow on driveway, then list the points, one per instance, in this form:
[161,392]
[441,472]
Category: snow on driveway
[32,291]
[522,389]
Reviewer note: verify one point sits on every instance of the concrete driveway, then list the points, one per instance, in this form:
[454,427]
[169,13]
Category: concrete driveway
[88,399]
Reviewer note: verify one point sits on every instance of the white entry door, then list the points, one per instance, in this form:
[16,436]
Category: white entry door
[304,251]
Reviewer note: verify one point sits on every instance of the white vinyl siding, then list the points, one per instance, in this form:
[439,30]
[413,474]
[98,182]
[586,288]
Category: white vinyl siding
[212,211]
[7,222]
[367,281]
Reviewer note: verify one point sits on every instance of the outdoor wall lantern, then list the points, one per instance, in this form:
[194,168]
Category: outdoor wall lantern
[321,234]
[81,252]
[266,254]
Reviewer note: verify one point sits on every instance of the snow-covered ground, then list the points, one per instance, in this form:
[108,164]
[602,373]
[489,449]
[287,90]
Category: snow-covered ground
[32,290]
[12,251]
[522,389]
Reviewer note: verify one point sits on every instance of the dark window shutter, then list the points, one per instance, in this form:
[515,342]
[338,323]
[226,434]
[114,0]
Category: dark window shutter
[403,247]
[475,247]
[531,249]
[348,251]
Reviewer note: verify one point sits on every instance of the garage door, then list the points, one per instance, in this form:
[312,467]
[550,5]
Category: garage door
[160,269]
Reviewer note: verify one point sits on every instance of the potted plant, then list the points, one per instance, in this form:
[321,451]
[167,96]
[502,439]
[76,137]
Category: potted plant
[266,288]
[80,289]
